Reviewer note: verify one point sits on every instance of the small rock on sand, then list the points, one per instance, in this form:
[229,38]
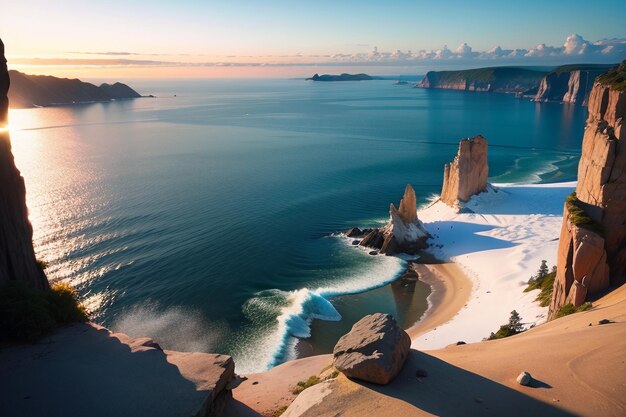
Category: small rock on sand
[524,378]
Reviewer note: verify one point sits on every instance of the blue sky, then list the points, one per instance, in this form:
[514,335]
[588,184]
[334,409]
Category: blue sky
[292,34]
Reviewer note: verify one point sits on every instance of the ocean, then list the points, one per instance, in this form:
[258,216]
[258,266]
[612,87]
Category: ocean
[205,217]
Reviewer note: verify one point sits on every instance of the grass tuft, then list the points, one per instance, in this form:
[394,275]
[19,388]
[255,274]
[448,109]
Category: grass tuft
[579,217]
[568,309]
[302,385]
[28,314]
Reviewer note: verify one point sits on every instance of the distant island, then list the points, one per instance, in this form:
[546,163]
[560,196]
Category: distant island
[43,91]
[343,77]
[566,83]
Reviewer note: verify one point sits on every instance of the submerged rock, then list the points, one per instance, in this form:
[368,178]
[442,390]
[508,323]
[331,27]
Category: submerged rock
[374,350]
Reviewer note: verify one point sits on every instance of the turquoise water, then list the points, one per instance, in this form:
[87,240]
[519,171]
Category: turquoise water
[204,220]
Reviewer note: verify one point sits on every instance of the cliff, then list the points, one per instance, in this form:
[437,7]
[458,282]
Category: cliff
[496,79]
[43,90]
[404,233]
[592,246]
[467,174]
[569,83]
[17,257]
[343,77]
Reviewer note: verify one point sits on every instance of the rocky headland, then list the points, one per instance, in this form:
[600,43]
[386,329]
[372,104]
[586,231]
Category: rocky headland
[592,245]
[467,174]
[569,83]
[342,77]
[495,79]
[44,90]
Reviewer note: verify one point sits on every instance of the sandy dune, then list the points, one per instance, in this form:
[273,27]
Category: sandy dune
[579,370]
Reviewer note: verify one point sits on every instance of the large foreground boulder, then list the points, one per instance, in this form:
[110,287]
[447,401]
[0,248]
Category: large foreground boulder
[374,350]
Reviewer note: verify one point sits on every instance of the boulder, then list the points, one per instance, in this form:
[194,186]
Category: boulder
[374,350]
[524,378]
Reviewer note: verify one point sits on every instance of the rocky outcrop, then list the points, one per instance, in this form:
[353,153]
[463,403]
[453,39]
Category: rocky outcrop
[569,84]
[592,246]
[404,233]
[497,79]
[88,371]
[374,350]
[467,174]
[17,257]
[43,90]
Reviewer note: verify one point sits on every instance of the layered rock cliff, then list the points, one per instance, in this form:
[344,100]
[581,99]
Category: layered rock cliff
[592,246]
[497,79]
[569,83]
[43,90]
[17,257]
[404,233]
[467,174]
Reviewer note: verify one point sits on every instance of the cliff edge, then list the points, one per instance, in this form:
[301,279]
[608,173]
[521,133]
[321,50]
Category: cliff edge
[592,247]
[17,257]
[569,83]
[467,174]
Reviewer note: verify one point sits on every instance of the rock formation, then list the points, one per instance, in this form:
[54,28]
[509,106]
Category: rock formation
[592,245]
[374,350]
[44,90]
[404,232]
[569,84]
[17,257]
[467,174]
[88,371]
[495,79]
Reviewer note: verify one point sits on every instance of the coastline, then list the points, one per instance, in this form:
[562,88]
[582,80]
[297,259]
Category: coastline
[451,289]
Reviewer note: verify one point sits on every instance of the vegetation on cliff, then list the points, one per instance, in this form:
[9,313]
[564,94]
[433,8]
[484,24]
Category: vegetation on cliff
[500,79]
[615,77]
[543,281]
[568,309]
[27,314]
[343,77]
[579,217]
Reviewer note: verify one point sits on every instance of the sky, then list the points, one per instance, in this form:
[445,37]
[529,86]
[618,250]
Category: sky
[279,38]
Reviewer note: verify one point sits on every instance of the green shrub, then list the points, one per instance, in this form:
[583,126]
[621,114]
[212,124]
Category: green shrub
[543,281]
[579,217]
[513,327]
[568,309]
[302,385]
[27,314]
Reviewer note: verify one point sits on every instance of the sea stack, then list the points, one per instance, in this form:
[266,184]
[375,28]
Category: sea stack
[17,257]
[592,246]
[404,233]
[467,174]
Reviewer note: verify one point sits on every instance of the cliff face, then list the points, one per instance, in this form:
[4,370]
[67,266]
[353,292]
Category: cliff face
[404,233]
[43,90]
[467,174]
[592,247]
[569,86]
[498,79]
[17,257]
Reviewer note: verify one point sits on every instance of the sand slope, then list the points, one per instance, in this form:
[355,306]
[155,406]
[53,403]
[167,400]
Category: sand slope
[579,370]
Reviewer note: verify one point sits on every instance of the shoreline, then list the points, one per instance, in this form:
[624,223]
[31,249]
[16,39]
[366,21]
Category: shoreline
[451,289]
